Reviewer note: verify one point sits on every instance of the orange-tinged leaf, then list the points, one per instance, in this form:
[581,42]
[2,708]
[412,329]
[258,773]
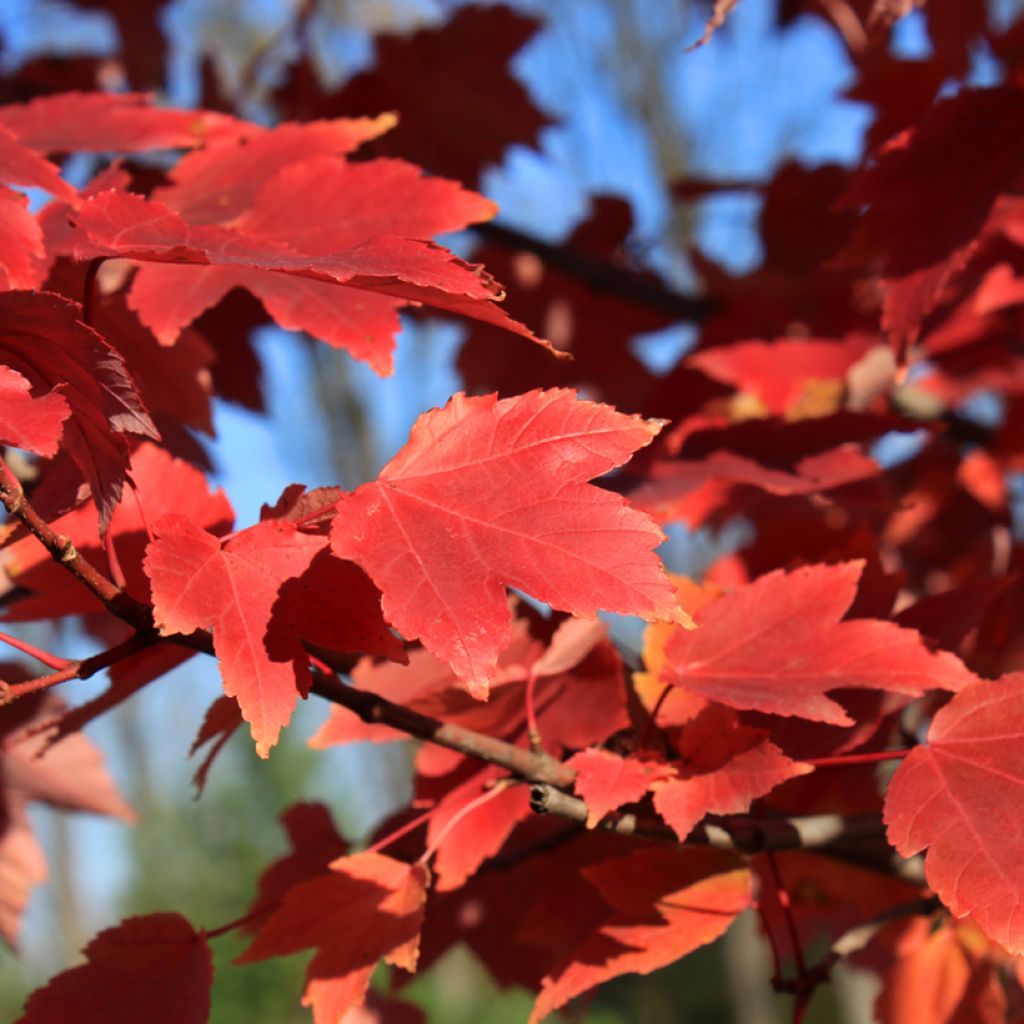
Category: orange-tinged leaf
[678,705]
[959,796]
[367,907]
[155,969]
[489,494]
[940,980]
[778,645]
[666,902]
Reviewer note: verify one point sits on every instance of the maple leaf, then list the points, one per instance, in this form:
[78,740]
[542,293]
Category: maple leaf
[461,846]
[71,777]
[19,165]
[35,424]
[221,720]
[161,484]
[119,224]
[367,907]
[664,902]
[956,795]
[444,125]
[250,591]
[343,206]
[778,645]
[941,972]
[489,494]
[315,845]
[724,767]
[22,245]
[605,781]
[928,168]
[779,372]
[47,343]
[94,122]
[220,182]
[156,968]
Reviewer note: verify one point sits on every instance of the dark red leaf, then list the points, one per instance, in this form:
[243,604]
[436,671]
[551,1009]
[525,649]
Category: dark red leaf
[147,970]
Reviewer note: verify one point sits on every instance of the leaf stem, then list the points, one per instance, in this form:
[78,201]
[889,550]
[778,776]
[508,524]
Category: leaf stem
[402,830]
[496,790]
[239,922]
[49,660]
[92,268]
[871,757]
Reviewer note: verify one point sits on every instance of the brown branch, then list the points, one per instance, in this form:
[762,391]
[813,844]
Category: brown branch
[78,669]
[63,551]
[828,833]
[853,839]
[601,275]
[521,762]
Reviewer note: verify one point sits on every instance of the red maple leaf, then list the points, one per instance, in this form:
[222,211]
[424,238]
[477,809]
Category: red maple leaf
[489,494]
[664,904]
[941,970]
[444,125]
[48,344]
[606,781]
[952,795]
[156,968]
[26,422]
[22,246]
[117,223]
[778,645]
[98,122]
[315,845]
[367,907]
[724,767]
[253,592]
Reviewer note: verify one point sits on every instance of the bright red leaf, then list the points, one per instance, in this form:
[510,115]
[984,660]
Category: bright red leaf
[250,591]
[490,494]
[605,781]
[26,422]
[956,796]
[412,271]
[463,845]
[103,121]
[724,767]
[157,969]
[779,645]
[22,247]
[19,165]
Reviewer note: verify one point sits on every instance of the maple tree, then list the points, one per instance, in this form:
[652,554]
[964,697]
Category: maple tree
[825,729]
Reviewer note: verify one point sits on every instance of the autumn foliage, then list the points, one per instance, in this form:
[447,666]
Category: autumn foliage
[835,709]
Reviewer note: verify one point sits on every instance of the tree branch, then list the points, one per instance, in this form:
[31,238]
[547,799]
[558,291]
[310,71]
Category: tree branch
[599,274]
[832,834]
[845,838]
